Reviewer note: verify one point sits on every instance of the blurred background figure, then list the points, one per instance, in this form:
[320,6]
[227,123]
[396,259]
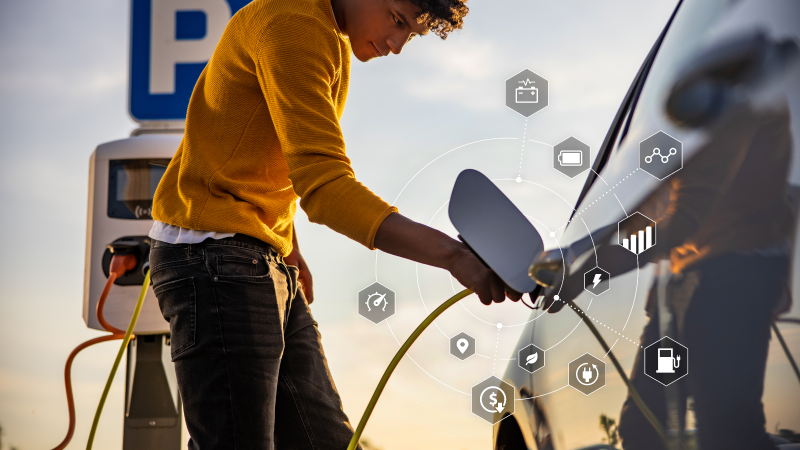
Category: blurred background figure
[728,223]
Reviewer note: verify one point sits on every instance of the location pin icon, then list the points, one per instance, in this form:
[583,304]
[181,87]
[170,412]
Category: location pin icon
[462,345]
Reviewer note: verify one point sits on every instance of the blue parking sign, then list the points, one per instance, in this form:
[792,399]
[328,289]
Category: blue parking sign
[171,42]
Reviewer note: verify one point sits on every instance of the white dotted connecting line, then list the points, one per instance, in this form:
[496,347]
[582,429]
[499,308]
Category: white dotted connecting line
[598,198]
[522,151]
[496,345]
[556,297]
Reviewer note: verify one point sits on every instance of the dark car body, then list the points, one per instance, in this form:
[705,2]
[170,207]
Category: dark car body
[752,47]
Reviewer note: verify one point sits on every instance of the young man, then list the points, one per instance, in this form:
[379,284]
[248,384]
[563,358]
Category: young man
[262,130]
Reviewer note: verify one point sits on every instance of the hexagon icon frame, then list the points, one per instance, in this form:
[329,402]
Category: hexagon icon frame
[654,143]
[454,350]
[586,358]
[526,81]
[487,387]
[377,314]
[567,149]
[606,283]
[627,245]
[537,363]
[685,363]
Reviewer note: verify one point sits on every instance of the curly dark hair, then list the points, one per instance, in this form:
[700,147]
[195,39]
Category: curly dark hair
[442,16]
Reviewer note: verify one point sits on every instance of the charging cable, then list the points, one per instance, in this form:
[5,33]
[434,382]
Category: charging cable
[397,357]
[125,340]
[119,265]
[648,414]
[450,302]
[786,347]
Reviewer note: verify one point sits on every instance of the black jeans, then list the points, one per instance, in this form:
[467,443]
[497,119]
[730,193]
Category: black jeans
[727,330]
[248,355]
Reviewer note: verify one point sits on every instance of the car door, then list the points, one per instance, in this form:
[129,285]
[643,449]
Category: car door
[700,36]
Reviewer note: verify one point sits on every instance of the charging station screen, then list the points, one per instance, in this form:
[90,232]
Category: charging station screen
[132,184]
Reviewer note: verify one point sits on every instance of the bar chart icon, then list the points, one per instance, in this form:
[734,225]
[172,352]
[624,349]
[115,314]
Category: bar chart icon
[637,233]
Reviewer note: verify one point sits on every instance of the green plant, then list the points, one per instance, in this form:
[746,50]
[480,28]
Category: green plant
[610,428]
[367,445]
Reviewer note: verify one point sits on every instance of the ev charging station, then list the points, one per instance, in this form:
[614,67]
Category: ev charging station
[123,176]
[171,42]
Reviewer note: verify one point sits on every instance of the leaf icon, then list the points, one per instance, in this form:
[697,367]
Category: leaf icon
[532,358]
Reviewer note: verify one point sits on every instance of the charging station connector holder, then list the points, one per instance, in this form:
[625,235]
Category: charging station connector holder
[139,246]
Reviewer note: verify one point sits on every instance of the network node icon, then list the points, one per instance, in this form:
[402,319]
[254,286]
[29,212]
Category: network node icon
[587,374]
[596,281]
[666,361]
[636,233]
[571,157]
[493,399]
[462,346]
[530,358]
[376,302]
[526,93]
[661,155]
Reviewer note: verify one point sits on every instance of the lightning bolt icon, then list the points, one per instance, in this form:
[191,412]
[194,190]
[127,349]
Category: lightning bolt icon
[596,280]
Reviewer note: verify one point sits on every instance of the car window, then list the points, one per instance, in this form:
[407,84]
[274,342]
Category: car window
[607,200]
[680,44]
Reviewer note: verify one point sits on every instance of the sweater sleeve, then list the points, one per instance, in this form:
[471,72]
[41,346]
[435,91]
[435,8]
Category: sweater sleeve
[296,64]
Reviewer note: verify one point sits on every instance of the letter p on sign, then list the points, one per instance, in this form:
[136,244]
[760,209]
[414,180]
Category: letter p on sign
[171,42]
[168,48]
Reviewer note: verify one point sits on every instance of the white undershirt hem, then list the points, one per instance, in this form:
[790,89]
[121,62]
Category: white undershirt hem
[174,234]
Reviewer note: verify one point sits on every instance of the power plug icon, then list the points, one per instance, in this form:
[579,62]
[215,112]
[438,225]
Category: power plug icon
[587,374]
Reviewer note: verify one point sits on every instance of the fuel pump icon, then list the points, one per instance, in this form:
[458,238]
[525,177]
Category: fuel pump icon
[666,362]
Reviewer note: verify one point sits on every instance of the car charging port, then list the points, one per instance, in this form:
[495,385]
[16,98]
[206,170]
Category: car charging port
[136,246]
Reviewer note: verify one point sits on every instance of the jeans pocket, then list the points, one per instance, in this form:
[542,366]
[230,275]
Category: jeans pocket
[170,257]
[247,266]
[178,303]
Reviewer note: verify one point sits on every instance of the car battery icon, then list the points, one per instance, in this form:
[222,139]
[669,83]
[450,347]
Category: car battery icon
[570,158]
[527,94]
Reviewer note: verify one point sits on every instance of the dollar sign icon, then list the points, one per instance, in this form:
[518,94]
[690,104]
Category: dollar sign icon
[493,398]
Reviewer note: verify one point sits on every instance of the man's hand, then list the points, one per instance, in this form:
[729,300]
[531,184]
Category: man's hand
[305,279]
[472,273]
[405,238]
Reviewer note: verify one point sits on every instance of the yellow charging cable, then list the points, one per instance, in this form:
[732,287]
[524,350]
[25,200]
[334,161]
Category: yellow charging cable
[634,393]
[121,352]
[397,357]
[450,302]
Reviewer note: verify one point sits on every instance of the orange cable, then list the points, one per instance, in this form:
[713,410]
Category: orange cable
[68,383]
[118,267]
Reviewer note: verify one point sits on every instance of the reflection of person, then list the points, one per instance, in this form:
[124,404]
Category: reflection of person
[262,130]
[728,228]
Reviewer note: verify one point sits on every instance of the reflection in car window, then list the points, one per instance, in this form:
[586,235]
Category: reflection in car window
[693,21]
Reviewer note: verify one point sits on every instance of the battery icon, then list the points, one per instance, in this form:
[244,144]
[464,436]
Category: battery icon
[569,158]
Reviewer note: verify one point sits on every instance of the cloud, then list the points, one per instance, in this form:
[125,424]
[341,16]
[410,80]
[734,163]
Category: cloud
[458,72]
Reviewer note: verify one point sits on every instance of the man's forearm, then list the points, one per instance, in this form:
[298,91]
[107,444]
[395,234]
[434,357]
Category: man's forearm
[407,239]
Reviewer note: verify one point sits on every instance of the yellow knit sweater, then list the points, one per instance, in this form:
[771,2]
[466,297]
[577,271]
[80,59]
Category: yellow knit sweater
[262,129]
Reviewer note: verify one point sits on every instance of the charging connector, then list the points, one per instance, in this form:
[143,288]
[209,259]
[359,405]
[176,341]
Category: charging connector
[138,247]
